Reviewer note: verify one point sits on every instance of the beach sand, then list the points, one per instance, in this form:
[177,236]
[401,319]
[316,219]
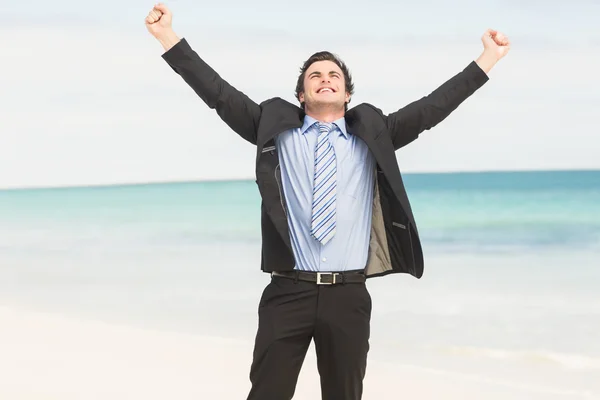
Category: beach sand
[46,356]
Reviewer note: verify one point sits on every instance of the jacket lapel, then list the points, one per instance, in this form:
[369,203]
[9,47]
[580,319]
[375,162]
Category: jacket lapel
[275,121]
[357,128]
[288,116]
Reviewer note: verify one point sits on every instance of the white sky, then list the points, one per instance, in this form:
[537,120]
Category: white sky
[85,97]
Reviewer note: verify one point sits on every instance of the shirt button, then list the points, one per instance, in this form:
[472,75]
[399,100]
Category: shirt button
[324,259]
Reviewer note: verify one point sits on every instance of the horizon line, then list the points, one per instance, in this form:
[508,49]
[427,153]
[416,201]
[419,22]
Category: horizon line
[229,180]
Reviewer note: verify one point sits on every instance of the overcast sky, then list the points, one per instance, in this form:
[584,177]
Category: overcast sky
[85,97]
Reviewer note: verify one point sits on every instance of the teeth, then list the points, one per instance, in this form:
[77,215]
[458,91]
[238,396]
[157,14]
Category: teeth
[326,89]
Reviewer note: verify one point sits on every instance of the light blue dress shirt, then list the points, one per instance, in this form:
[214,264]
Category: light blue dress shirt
[349,247]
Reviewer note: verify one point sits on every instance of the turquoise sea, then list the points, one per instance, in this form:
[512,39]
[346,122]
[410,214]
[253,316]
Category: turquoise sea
[511,284]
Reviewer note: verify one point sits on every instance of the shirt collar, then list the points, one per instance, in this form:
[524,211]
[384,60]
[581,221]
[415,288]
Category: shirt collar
[339,123]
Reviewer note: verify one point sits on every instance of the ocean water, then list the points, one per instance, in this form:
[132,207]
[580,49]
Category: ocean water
[511,290]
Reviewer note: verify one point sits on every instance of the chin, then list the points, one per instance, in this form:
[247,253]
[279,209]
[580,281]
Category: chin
[331,103]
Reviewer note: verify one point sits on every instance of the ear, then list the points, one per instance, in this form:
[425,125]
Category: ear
[301,97]
[347,97]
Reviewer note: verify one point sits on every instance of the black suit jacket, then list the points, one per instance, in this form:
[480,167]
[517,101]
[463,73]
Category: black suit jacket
[395,245]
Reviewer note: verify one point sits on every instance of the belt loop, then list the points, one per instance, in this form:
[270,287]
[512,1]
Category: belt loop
[296,275]
[343,278]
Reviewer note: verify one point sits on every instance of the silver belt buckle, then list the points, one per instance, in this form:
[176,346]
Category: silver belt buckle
[320,274]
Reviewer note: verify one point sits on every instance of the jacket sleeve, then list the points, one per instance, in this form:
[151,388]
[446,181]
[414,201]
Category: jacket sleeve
[406,124]
[236,109]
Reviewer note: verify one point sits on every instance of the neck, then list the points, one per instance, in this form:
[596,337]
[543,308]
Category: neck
[324,114]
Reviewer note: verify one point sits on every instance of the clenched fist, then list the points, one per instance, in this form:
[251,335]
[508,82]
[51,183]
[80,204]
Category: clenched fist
[159,20]
[496,42]
[495,46]
[158,23]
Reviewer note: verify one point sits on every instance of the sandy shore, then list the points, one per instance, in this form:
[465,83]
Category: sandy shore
[54,357]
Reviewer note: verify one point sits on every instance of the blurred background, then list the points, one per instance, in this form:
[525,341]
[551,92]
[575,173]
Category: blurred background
[112,208]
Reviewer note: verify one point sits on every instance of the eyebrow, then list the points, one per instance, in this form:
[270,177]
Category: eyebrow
[318,73]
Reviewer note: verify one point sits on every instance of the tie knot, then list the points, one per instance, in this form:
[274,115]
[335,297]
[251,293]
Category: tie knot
[325,127]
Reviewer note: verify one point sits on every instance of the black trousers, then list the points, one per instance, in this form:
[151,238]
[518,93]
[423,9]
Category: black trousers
[291,314]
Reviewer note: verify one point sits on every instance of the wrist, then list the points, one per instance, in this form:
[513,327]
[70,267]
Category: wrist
[168,39]
[487,60]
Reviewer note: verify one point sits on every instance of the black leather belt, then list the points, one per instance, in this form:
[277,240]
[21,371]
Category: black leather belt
[323,278]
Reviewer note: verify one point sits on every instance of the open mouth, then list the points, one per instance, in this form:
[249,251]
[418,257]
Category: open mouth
[326,90]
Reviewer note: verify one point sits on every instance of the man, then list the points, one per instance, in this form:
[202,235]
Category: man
[334,210]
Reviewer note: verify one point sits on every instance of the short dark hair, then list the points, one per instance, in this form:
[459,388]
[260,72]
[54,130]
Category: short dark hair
[324,56]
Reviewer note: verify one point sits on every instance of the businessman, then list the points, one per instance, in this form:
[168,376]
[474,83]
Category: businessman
[334,209]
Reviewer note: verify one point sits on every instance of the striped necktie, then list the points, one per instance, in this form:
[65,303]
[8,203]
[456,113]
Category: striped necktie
[324,188]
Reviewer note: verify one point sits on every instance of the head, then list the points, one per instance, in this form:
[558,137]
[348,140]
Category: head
[324,82]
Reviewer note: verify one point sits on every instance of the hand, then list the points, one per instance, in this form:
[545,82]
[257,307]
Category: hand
[158,21]
[495,43]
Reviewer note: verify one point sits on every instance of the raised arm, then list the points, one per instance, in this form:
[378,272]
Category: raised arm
[407,123]
[235,108]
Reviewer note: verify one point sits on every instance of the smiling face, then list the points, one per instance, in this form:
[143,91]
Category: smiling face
[324,86]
